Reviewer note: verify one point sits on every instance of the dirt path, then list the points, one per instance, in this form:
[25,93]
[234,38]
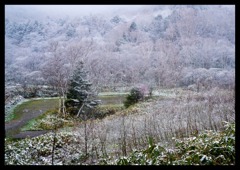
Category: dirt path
[12,128]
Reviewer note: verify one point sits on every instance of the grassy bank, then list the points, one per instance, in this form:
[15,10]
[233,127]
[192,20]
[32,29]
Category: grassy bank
[29,106]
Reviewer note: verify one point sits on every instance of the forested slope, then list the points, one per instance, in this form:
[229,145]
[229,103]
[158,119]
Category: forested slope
[166,46]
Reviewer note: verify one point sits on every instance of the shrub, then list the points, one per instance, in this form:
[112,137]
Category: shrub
[135,96]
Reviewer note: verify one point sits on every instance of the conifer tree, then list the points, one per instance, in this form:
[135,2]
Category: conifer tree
[80,93]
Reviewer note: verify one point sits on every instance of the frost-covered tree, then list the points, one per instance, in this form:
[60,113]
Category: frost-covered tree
[116,20]
[80,93]
[157,27]
[56,72]
[133,27]
[122,49]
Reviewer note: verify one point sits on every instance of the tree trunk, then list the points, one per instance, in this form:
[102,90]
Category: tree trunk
[59,105]
[85,136]
[63,103]
[54,141]
[79,111]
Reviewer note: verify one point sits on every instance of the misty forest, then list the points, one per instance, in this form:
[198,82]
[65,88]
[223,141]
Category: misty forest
[120,85]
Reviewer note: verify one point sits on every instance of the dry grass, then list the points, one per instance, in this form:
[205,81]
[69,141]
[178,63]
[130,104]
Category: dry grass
[186,114]
[159,119]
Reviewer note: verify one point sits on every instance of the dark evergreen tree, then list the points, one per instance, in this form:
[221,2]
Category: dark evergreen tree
[115,20]
[158,27]
[79,85]
[133,27]
[80,93]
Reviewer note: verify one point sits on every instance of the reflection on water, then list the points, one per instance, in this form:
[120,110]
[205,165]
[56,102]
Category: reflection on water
[105,100]
[112,99]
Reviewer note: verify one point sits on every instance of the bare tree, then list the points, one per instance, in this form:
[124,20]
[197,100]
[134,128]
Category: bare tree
[57,72]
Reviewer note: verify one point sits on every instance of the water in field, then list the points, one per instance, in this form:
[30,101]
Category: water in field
[34,108]
[114,99]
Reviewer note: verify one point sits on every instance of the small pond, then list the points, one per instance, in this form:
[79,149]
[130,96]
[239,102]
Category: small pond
[114,99]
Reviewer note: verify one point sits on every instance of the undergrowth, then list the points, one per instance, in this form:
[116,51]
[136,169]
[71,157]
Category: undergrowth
[207,148]
[48,121]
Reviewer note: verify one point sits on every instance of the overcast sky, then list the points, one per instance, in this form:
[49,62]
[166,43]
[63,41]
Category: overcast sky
[41,11]
[69,10]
